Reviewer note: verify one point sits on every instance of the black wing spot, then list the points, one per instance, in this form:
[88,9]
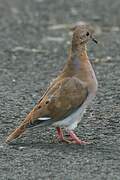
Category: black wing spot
[47,102]
[39,106]
[87,34]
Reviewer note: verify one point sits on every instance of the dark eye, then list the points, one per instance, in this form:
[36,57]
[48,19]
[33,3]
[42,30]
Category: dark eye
[87,34]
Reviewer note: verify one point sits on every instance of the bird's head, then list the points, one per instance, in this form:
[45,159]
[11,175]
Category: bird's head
[81,35]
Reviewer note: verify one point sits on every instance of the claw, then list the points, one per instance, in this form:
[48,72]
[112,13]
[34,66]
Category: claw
[76,139]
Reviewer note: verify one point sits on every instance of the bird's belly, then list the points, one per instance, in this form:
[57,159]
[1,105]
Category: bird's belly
[73,119]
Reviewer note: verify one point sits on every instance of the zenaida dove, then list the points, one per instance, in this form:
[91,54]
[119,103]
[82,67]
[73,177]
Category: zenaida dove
[66,99]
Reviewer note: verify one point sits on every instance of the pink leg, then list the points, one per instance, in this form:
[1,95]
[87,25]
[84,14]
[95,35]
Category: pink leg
[61,136]
[60,133]
[76,139]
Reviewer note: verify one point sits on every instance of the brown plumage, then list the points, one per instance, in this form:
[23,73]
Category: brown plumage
[65,100]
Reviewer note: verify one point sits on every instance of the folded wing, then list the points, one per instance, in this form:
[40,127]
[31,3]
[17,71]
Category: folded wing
[62,99]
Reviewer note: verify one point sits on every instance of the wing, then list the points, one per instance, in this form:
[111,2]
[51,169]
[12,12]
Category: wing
[61,100]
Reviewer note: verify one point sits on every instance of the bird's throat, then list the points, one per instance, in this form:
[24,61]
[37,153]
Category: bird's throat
[77,61]
[79,55]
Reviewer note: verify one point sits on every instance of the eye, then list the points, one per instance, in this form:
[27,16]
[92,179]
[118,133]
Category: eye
[87,34]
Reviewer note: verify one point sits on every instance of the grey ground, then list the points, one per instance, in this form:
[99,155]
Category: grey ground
[33,48]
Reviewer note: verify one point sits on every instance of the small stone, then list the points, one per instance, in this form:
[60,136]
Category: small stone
[21,148]
[108,58]
[39,1]
[13,80]
[13,57]
[55,39]
[115,29]
[74,11]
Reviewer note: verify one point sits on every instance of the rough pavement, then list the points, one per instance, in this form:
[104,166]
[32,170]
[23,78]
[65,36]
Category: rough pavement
[34,38]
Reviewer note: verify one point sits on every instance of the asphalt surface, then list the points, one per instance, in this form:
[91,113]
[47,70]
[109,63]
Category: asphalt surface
[34,38]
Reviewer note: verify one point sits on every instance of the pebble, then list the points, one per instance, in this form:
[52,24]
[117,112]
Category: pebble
[1,146]
[21,148]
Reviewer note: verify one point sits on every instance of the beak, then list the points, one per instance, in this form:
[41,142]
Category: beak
[94,40]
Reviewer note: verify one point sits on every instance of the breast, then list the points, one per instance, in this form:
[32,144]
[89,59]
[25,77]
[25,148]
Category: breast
[93,83]
[87,75]
[76,63]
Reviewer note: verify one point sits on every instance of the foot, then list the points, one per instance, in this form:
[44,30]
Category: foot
[60,136]
[74,139]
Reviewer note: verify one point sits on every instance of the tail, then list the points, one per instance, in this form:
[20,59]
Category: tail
[34,118]
[16,133]
[19,130]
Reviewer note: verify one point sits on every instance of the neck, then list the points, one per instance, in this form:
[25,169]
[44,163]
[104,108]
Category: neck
[79,53]
[78,65]
[76,60]
[77,47]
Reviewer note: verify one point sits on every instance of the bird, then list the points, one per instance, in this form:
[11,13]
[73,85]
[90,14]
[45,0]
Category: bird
[67,97]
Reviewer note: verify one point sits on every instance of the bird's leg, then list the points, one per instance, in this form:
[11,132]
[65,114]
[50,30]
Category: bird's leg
[72,137]
[61,136]
[76,139]
[59,133]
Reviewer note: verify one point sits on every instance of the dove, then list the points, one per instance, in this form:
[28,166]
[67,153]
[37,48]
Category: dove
[66,99]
